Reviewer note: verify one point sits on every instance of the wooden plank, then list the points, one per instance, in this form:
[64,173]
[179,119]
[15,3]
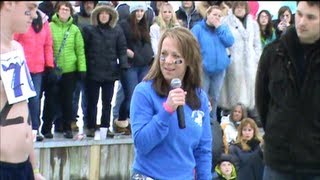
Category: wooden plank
[104,162]
[94,162]
[44,162]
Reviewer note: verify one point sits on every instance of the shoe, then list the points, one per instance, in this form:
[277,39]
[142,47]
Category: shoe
[48,135]
[74,126]
[91,132]
[122,127]
[68,134]
[110,134]
[39,138]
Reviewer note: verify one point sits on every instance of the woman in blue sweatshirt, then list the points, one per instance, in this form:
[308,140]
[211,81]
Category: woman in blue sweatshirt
[162,149]
[214,38]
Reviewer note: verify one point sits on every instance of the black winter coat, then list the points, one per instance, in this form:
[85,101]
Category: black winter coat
[289,104]
[143,53]
[249,164]
[103,46]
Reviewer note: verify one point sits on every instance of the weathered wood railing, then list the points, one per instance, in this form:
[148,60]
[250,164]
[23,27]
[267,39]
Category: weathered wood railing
[86,159]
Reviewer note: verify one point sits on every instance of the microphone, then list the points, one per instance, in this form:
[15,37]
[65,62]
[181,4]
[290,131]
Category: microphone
[176,83]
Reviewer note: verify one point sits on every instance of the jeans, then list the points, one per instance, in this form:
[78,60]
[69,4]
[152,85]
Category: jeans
[118,101]
[212,84]
[80,87]
[272,174]
[93,90]
[129,80]
[34,102]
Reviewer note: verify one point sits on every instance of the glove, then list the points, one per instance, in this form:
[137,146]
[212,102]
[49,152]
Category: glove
[82,76]
[48,70]
[52,74]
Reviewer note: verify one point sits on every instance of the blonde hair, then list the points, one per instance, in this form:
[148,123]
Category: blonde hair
[211,8]
[173,21]
[256,135]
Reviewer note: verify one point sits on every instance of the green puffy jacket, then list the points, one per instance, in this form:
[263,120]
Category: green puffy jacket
[72,56]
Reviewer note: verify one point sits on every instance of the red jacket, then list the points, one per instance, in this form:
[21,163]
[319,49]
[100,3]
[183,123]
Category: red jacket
[37,48]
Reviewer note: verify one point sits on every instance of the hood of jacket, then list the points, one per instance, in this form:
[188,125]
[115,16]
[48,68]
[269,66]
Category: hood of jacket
[181,8]
[233,172]
[82,11]
[114,17]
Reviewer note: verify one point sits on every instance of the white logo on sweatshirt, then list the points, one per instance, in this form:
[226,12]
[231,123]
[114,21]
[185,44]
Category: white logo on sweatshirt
[197,115]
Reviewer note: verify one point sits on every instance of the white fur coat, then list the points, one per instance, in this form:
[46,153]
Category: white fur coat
[245,53]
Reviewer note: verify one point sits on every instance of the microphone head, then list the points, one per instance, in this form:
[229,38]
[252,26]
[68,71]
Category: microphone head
[175,83]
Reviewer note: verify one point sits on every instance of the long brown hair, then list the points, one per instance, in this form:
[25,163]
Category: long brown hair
[256,135]
[244,112]
[267,33]
[139,29]
[241,3]
[190,50]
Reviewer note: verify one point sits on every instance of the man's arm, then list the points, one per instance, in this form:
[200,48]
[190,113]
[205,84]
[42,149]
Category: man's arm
[36,172]
[262,96]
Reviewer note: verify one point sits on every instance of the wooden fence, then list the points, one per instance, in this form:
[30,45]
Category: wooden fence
[88,159]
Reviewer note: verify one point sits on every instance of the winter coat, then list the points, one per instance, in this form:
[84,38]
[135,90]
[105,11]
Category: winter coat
[229,129]
[266,41]
[240,76]
[37,46]
[213,43]
[104,44]
[188,20]
[249,164]
[217,141]
[143,53]
[72,57]
[288,104]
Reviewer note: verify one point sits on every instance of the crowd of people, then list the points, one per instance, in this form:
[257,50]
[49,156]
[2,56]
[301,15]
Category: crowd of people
[237,70]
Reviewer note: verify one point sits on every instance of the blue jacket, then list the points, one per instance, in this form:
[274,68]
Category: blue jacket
[162,149]
[213,43]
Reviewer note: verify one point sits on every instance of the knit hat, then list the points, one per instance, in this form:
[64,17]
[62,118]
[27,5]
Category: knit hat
[225,157]
[138,5]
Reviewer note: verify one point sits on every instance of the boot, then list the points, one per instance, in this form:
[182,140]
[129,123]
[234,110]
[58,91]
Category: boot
[122,127]
[74,126]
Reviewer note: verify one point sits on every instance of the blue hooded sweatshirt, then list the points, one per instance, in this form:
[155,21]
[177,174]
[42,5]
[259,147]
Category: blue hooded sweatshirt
[162,149]
[213,43]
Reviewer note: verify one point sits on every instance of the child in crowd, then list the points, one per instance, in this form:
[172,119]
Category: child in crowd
[225,168]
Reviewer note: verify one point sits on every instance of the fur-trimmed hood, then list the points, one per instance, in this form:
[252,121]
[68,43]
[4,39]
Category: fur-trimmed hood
[114,17]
